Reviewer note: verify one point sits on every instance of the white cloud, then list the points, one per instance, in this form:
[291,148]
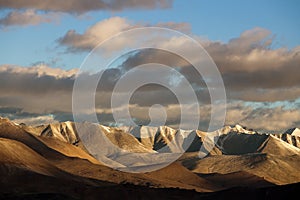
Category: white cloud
[276,119]
[39,70]
[95,34]
[107,28]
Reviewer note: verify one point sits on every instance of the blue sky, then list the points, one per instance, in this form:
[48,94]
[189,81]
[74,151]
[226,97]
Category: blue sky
[215,20]
[255,45]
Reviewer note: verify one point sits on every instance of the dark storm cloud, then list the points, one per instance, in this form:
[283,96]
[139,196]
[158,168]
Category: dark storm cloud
[14,83]
[37,89]
[80,6]
[36,106]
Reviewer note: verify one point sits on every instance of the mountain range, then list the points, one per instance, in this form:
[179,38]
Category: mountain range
[69,160]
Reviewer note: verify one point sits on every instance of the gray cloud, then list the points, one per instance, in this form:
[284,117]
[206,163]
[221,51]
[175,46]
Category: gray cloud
[246,62]
[79,6]
[250,64]
[34,80]
[27,93]
[48,102]
[28,17]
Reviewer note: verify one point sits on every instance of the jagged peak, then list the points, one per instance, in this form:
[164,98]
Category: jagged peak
[293,131]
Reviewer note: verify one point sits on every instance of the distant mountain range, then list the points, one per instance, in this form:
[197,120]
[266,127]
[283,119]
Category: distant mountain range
[70,160]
